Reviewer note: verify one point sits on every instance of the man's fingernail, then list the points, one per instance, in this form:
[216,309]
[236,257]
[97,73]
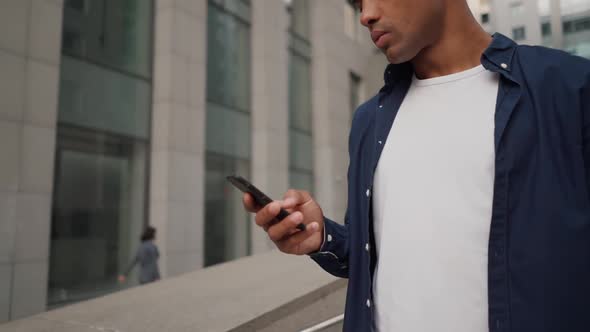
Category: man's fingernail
[314,226]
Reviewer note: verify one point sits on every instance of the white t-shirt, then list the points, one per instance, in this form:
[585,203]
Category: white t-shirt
[432,207]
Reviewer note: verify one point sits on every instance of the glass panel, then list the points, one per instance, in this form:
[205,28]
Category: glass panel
[299,93]
[102,146]
[93,97]
[227,225]
[485,18]
[574,7]
[98,213]
[355,90]
[301,150]
[546,29]
[300,106]
[228,60]
[300,22]
[228,131]
[240,8]
[519,33]
[111,32]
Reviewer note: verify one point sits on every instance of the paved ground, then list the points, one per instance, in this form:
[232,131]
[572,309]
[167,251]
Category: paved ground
[232,296]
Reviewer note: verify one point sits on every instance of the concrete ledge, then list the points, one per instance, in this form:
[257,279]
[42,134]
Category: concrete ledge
[247,294]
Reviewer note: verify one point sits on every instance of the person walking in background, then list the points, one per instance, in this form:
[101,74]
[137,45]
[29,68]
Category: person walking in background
[147,256]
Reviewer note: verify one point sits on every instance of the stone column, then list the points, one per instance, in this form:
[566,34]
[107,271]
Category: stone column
[270,107]
[556,25]
[30,48]
[178,134]
[334,56]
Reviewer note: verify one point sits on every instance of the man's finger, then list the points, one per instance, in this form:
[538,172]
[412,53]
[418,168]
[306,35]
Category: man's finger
[289,243]
[282,229]
[294,198]
[249,203]
[267,214]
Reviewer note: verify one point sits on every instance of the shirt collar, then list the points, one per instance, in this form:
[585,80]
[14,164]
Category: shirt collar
[499,53]
[497,57]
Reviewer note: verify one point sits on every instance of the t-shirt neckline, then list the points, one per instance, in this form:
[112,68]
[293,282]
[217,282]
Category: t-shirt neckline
[448,78]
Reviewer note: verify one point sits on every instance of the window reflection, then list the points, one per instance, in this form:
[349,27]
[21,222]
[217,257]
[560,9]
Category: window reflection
[228,129]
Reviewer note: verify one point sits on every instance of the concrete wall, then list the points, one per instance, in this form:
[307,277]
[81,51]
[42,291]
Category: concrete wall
[270,106]
[334,56]
[30,53]
[30,40]
[504,21]
[176,201]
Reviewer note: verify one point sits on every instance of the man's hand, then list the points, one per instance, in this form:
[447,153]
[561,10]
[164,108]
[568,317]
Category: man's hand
[285,235]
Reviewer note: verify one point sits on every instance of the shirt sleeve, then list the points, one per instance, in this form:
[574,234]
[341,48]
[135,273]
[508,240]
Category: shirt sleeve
[132,263]
[333,254]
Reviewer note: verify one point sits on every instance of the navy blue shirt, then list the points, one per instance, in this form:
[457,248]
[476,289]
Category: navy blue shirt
[539,244]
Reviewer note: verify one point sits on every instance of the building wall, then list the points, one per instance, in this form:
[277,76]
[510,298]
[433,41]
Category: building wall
[334,56]
[176,201]
[30,39]
[30,55]
[270,146]
[535,13]
[505,18]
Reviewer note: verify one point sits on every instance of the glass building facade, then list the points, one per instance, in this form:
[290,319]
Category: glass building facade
[228,129]
[125,113]
[102,145]
[355,92]
[575,20]
[300,105]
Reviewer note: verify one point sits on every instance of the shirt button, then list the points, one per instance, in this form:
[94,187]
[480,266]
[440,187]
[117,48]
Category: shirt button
[367,247]
[380,106]
[380,142]
[505,66]
[368,192]
[368,303]
[329,238]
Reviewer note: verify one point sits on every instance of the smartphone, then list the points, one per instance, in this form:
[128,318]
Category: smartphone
[259,197]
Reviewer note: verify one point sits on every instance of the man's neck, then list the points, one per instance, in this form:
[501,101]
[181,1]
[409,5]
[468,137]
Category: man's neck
[458,48]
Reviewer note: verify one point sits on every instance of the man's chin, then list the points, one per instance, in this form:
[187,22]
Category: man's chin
[393,57]
[396,55]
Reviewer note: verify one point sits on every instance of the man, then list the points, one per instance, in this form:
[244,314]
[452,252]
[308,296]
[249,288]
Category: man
[471,211]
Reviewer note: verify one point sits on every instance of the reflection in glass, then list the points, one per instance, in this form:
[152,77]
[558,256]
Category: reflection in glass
[93,97]
[228,129]
[227,225]
[111,32]
[228,59]
[98,212]
[300,105]
[102,146]
[576,33]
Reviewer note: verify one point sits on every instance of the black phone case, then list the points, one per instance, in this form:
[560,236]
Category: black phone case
[261,199]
